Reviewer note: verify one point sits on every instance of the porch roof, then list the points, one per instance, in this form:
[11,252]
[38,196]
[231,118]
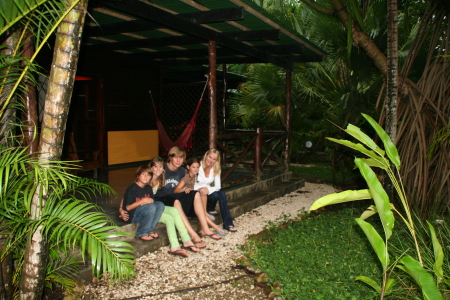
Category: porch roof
[176,33]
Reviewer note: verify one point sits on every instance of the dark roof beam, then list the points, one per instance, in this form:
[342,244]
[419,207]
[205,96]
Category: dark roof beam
[238,60]
[254,35]
[202,17]
[221,51]
[145,43]
[215,16]
[144,11]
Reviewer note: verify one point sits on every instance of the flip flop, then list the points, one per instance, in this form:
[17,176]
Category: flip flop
[211,217]
[231,229]
[191,248]
[200,244]
[212,236]
[221,233]
[146,237]
[153,235]
[178,252]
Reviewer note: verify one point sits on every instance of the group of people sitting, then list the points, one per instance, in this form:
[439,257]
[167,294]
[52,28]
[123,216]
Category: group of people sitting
[168,193]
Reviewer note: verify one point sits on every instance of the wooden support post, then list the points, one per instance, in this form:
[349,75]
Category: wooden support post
[288,115]
[212,93]
[101,132]
[224,108]
[258,153]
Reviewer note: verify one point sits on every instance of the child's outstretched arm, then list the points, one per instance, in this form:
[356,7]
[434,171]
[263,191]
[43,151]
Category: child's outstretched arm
[139,203]
[180,187]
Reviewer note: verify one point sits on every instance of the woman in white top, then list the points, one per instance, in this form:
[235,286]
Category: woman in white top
[208,182]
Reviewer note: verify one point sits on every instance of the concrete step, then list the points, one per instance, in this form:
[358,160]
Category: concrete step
[238,206]
[240,200]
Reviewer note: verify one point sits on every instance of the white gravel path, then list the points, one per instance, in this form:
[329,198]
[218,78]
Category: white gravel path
[160,274]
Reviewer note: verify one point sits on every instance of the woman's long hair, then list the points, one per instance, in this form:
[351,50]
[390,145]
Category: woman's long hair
[162,177]
[216,167]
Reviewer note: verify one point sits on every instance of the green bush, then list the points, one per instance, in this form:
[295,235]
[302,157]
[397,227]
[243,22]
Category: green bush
[316,256]
[323,173]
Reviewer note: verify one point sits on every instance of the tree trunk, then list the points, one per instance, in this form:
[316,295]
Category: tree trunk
[360,39]
[392,74]
[31,116]
[7,119]
[57,103]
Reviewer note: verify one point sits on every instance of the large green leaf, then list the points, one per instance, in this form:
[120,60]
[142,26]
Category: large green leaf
[422,278]
[360,148]
[73,222]
[389,147]
[370,282]
[370,211]
[341,197]
[363,138]
[376,241]
[438,255]
[379,196]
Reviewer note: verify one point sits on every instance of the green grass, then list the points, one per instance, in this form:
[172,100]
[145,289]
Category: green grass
[318,256]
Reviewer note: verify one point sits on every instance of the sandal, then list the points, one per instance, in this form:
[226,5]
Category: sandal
[200,244]
[179,252]
[221,233]
[191,248]
[146,237]
[211,217]
[153,235]
[212,235]
[231,229]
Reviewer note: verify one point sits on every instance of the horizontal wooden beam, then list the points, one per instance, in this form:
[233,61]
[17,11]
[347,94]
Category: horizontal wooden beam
[147,12]
[199,53]
[254,35]
[201,17]
[145,43]
[239,60]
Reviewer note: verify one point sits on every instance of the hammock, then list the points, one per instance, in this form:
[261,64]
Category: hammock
[185,139]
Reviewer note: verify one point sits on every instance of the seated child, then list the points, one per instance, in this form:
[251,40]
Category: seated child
[141,208]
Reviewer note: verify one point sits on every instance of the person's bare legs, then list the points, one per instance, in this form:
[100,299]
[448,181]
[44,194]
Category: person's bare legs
[204,201]
[203,219]
[213,225]
[195,237]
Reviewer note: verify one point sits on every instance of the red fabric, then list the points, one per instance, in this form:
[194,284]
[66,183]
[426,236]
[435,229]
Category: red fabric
[185,139]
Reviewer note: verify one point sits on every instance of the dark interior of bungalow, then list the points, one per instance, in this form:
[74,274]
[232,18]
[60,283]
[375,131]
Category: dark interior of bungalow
[149,60]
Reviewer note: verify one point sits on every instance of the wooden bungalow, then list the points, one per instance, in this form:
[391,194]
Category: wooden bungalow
[143,60]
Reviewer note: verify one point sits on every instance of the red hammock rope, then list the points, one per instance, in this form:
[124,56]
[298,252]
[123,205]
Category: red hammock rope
[186,137]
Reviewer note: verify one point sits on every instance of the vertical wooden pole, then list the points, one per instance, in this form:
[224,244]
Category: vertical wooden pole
[258,152]
[224,97]
[101,133]
[288,115]
[224,107]
[212,92]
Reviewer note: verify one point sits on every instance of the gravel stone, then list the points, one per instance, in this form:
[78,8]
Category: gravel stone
[210,273]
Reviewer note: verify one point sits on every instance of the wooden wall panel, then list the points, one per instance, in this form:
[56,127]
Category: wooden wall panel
[132,146]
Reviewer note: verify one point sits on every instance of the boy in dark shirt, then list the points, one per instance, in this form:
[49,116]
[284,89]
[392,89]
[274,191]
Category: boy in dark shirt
[138,201]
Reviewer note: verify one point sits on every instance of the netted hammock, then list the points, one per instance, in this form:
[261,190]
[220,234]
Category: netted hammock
[186,137]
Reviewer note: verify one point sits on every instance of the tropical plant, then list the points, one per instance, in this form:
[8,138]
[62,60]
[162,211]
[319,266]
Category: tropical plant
[71,224]
[384,159]
[43,215]
[356,34]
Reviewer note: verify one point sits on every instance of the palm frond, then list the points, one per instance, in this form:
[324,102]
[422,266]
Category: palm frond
[76,223]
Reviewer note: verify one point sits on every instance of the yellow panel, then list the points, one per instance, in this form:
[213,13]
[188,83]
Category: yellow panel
[132,146]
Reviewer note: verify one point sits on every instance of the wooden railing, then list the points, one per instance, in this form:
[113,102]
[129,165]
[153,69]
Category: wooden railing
[254,149]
